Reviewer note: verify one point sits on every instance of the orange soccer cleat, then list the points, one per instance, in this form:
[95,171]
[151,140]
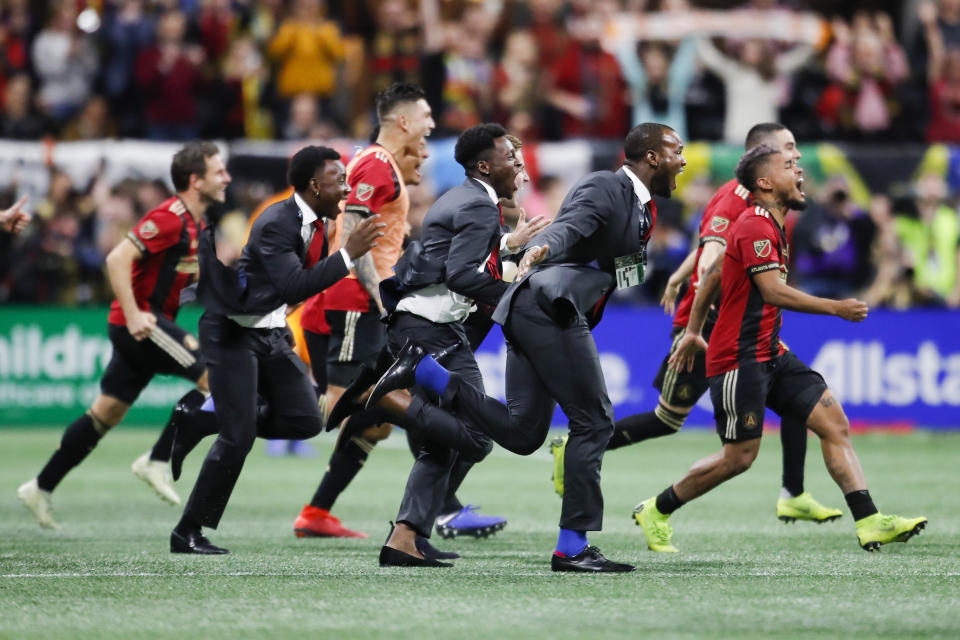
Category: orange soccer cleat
[319,523]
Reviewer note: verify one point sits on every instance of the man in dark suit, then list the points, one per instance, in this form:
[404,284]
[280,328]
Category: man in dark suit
[597,242]
[245,334]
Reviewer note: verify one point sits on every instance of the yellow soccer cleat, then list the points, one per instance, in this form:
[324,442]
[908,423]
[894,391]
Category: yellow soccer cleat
[805,507]
[557,447]
[655,526]
[879,529]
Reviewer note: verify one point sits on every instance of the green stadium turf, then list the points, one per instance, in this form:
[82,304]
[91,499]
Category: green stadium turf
[740,574]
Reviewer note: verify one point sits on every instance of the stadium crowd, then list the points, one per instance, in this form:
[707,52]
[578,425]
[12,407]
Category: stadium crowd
[549,70]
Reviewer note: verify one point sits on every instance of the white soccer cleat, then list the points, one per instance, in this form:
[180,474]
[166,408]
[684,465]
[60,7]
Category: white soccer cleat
[156,474]
[39,502]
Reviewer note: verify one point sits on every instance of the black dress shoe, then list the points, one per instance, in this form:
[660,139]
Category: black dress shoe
[194,542]
[401,374]
[430,551]
[589,560]
[390,557]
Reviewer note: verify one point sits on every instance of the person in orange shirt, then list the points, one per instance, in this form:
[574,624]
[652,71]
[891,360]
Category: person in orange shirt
[307,48]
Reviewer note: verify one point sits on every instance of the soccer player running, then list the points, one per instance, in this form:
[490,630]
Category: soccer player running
[750,369]
[680,390]
[147,270]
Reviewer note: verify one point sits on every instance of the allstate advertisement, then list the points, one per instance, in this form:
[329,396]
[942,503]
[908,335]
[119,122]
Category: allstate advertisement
[900,368]
[895,368]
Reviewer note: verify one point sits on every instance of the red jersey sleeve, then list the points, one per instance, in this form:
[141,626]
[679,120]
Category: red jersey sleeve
[158,231]
[719,216]
[372,185]
[756,242]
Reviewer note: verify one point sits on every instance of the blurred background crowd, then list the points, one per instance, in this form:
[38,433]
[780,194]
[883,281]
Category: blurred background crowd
[878,79]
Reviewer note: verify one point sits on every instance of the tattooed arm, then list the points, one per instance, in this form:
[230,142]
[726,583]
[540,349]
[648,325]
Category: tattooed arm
[364,266]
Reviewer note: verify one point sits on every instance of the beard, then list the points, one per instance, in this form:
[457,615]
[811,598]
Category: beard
[796,204]
[660,183]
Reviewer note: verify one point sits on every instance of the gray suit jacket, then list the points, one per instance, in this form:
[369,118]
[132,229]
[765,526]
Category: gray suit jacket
[459,232]
[271,270]
[600,219]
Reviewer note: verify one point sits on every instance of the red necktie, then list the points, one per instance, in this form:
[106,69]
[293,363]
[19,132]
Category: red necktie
[318,244]
[493,262]
[653,219]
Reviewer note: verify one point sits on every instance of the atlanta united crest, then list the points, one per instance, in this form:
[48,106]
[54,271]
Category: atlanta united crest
[762,248]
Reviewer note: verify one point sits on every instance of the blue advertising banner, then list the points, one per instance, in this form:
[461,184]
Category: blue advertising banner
[893,369]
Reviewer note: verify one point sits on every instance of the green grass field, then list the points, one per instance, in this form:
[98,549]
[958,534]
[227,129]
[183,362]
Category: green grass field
[740,574]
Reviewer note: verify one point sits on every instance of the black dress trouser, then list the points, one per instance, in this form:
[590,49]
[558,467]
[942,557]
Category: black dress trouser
[429,480]
[241,363]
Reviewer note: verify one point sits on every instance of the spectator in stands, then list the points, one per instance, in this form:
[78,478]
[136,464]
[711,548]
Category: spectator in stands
[92,123]
[308,48]
[658,77]
[168,76]
[65,62]
[943,80]
[240,92]
[20,120]
[467,72]
[929,232]
[126,32]
[518,83]
[586,86]
[751,79]
[215,22]
[866,66]
[16,24]
[832,243]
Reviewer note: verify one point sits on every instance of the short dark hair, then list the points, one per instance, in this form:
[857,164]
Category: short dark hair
[305,163]
[647,136]
[475,141]
[396,94]
[190,160]
[749,165]
[759,132]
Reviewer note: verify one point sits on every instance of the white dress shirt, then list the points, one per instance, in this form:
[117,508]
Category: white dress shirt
[278,317]
[638,187]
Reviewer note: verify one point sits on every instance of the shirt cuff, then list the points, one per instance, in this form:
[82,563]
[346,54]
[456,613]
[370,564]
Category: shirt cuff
[504,250]
[346,258]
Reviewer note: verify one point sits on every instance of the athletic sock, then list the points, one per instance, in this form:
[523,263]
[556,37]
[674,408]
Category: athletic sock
[78,441]
[207,404]
[571,542]
[341,470]
[431,375]
[161,449]
[668,502]
[861,504]
[644,426]
[793,443]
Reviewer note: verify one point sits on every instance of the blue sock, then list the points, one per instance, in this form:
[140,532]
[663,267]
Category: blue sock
[431,375]
[207,405]
[571,542]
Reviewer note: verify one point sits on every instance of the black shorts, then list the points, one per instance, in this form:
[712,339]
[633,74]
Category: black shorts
[784,384]
[356,338]
[317,345]
[169,350]
[682,388]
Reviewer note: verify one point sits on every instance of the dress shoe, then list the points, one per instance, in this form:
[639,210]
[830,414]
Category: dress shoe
[194,542]
[431,552]
[390,557]
[401,374]
[590,560]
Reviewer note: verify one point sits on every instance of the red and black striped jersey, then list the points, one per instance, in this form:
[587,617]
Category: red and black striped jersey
[167,238]
[718,218]
[747,329]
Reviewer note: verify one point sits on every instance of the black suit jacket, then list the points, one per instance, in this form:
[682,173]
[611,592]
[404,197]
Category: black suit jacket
[600,219]
[271,269]
[459,232]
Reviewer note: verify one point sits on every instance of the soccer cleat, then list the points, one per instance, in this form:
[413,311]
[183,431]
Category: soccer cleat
[805,507]
[655,526]
[320,523]
[879,529]
[467,522]
[156,473]
[39,502]
[558,446]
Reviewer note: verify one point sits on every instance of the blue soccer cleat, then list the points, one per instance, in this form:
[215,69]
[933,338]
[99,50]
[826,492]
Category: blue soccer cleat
[467,522]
